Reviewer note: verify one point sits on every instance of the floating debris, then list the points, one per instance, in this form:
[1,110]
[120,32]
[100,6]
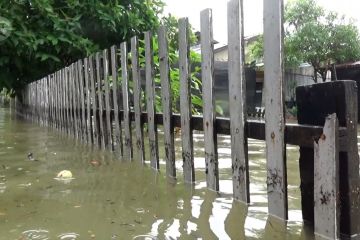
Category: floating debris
[64,174]
[95,163]
[30,156]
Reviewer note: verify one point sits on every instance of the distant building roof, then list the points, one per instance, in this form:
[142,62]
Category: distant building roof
[348,65]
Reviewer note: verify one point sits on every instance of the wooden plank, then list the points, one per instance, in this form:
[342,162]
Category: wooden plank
[88,102]
[100,99]
[47,102]
[237,101]
[315,102]
[73,105]
[107,100]
[274,115]
[52,81]
[326,181]
[128,153]
[349,191]
[207,75]
[137,99]
[66,101]
[150,101]
[56,81]
[185,102]
[295,134]
[61,73]
[67,92]
[56,99]
[118,148]
[40,82]
[75,100]
[78,100]
[166,97]
[82,100]
[94,121]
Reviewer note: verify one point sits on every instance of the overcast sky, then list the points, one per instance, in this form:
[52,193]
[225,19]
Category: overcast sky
[253,13]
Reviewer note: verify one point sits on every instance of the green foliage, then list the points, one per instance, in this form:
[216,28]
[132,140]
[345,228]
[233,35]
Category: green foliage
[319,37]
[255,51]
[316,36]
[171,24]
[38,37]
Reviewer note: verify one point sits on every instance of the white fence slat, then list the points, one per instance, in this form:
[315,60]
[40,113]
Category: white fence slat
[274,105]
[326,181]
[118,147]
[185,102]
[166,97]
[237,101]
[126,108]
[150,101]
[137,99]
[207,75]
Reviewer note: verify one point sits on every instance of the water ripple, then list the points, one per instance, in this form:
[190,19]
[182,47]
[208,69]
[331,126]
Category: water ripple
[39,234]
[68,236]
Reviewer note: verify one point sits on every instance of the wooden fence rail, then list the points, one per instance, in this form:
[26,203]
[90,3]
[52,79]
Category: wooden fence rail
[91,101]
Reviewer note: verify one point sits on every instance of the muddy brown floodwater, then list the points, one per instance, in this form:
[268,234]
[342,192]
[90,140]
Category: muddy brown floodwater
[119,200]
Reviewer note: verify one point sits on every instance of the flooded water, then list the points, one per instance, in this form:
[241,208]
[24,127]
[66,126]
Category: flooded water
[117,200]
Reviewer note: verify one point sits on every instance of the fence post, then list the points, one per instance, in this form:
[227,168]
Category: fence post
[108,130]
[101,100]
[128,151]
[274,114]
[117,133]
[166,97]
[137,98]
[314,103]
[326,180]
[185,102]
[207,75]
[237,101]
[150,101]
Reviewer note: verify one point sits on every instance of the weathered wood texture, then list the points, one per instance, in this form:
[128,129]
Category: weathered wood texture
[150,101]
[74,102]
[77,102]
[94,121]
[82,100]
[237,101]
[67,100]
[100,101]
[118,147]
[166,97]
[62,100]
[137,99]
[128,152]
[326,181]
[185,102]
[107,100]
[207,75]
[314,104]
[88,101]
[274,105]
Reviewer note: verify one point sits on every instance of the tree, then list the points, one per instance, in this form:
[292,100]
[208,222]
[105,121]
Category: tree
[37,37]
[316,36]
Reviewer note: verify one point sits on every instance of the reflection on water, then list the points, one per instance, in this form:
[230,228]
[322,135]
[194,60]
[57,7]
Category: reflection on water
[115,200]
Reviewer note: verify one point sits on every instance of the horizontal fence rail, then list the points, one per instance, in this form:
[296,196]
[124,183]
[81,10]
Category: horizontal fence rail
[100,99]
